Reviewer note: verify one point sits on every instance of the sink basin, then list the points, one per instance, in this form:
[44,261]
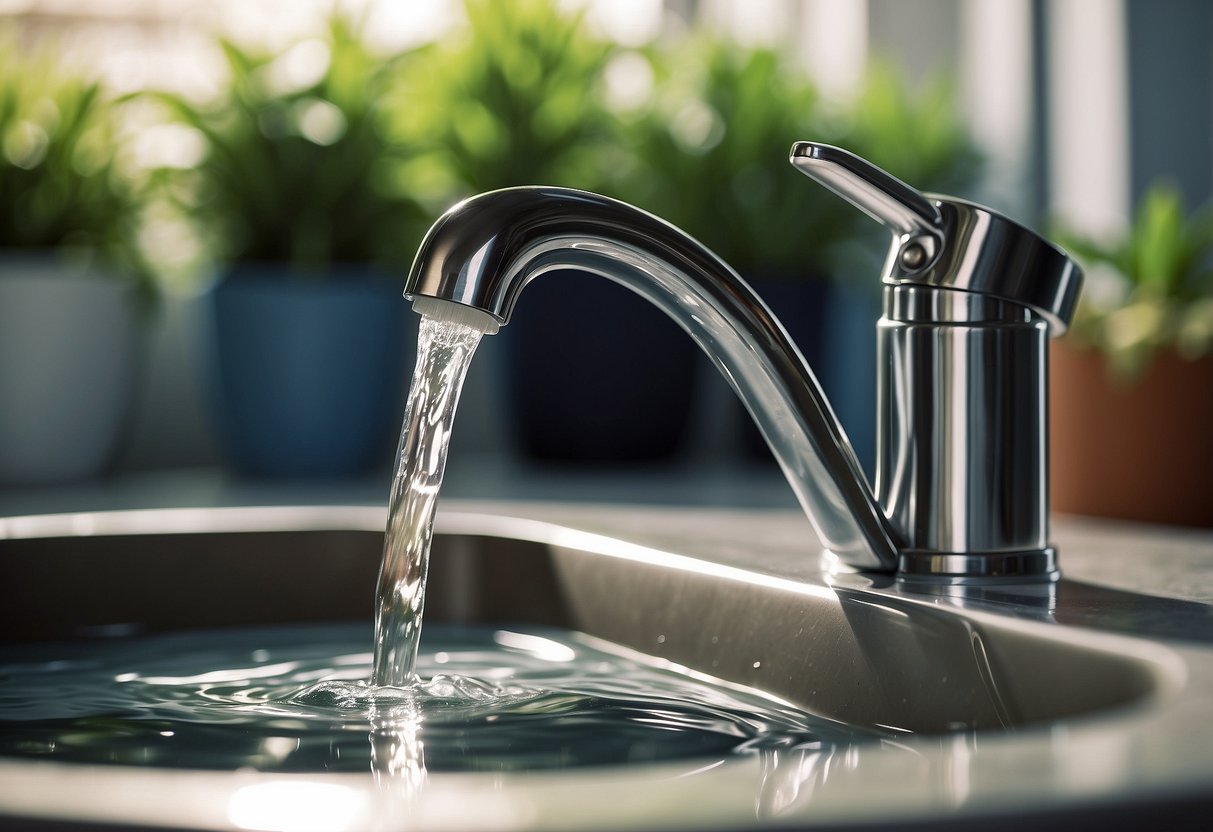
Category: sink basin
[1027,703]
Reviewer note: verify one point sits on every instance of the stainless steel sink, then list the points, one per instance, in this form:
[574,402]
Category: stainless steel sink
[1003,702]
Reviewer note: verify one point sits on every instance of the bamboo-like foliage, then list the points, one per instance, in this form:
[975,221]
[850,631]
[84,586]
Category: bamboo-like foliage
[711,154]
[512,97]
[297,162]
[1150,288]
[62,187]
[352,162]
[712,150]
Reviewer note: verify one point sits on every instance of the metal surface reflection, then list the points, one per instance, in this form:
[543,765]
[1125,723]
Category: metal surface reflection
[484,251]
[970,300]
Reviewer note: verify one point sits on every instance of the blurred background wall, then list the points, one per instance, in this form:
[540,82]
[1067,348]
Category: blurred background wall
[1075,107]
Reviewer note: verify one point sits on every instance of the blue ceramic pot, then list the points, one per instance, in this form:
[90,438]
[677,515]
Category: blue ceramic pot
[849,366]
[309,372]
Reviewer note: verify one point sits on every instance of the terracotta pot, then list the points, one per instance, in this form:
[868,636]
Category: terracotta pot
[1137,451]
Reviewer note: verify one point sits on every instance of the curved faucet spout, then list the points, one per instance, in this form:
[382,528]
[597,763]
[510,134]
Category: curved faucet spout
[484,251]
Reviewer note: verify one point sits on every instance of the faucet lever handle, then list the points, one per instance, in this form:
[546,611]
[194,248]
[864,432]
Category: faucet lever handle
[885,198]
[946,243]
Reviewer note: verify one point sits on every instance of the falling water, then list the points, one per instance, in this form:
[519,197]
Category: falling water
[444,351]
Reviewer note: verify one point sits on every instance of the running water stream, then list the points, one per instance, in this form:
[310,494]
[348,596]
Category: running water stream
[444,353]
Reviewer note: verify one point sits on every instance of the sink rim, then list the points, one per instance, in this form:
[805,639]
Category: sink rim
[1036,764]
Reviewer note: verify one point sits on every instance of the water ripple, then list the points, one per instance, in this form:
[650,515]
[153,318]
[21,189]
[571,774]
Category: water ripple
[299,700]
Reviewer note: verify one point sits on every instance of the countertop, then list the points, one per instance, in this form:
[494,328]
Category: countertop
[697,505]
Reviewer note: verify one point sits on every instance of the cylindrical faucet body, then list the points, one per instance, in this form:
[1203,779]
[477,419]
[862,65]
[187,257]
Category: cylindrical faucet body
[962,441]
[970,300]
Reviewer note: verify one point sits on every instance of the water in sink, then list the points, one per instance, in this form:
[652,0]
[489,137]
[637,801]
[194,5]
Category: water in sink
[296,699]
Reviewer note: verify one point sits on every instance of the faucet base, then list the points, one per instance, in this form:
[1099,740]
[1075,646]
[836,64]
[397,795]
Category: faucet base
[1033,566]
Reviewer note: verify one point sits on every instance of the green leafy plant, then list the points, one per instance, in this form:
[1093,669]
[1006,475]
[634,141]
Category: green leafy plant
[918,136]
[513,97]
[1149,289]
[297,160]
[62,186]
[711,154]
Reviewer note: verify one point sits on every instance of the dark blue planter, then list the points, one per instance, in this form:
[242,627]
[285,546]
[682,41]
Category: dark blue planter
[835,329]
[849,366]
[596,374]
[309,373]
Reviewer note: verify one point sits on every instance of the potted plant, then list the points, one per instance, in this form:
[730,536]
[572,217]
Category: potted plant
[1132,383]
[296,203]
[591,372]
[711,155]
[71,282]
[713,147]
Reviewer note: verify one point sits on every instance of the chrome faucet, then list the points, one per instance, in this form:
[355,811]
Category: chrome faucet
[969,300]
